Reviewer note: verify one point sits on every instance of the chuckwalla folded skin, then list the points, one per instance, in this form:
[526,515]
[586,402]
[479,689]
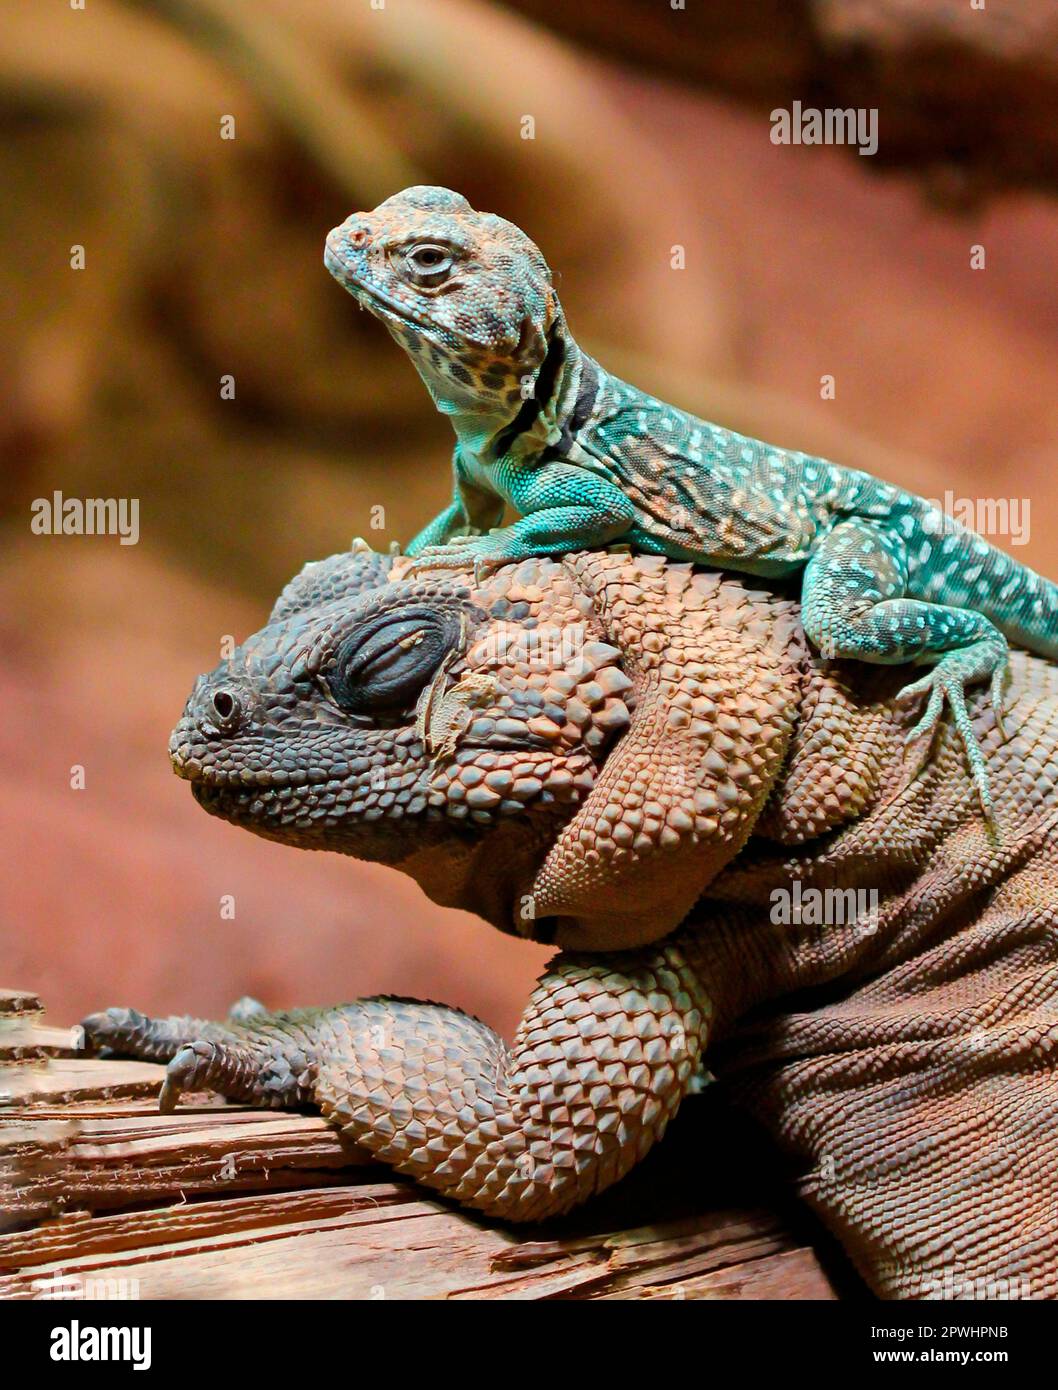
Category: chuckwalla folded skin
[588,460]
[650,766]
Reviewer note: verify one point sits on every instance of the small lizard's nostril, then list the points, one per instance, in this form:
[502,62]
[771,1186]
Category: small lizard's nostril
[348,235]
[223,704]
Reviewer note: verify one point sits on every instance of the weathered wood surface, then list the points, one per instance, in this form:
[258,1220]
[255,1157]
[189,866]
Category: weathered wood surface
[99,1193]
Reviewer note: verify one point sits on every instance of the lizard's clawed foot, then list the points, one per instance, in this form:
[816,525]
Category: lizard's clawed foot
[946,684]
[484,553]
[255,1057]
[128,1033]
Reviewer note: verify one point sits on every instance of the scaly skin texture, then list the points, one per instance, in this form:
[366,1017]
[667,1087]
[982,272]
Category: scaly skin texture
[587,460]
[666,782]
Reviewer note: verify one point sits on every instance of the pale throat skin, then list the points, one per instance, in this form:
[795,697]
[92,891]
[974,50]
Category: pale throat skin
[589,460]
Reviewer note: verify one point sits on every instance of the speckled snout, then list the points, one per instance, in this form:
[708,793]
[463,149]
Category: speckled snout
[343,252]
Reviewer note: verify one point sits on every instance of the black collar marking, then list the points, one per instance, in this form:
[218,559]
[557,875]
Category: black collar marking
[543,387]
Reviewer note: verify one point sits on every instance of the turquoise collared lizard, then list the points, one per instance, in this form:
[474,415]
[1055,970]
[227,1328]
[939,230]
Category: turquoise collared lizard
[589,460]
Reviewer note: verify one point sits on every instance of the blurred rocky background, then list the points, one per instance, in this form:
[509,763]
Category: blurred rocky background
[203,260]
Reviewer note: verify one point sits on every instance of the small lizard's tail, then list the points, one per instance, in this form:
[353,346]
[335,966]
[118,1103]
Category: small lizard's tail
[1021,603]
[1036,624]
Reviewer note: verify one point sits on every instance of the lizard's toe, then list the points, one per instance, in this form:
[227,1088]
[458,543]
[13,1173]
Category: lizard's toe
[124,1031]
[483,552]
[438,557]
[128,1033]
[246,1010]
[995,695]
[192,1069]
[101,1027]
[485,564]
[268,1061]
[945,686]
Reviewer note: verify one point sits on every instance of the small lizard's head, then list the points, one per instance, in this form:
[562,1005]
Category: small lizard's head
[465,293]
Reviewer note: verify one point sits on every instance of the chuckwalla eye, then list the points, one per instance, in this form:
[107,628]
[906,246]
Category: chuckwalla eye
[385,664]
[427,263]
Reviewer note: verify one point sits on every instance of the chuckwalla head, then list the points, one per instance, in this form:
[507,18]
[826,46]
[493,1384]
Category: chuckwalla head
[570,749]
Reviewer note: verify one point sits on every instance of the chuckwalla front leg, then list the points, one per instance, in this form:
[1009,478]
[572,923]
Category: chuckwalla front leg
[606,1050]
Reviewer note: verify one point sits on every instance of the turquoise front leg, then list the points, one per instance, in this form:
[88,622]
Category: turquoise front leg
[451,522]
[563,509]
[855,605]
[471,509]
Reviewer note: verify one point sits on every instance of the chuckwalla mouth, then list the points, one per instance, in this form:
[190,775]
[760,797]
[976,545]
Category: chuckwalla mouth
[203,774]
[244,783]
[193,771]
[214,788]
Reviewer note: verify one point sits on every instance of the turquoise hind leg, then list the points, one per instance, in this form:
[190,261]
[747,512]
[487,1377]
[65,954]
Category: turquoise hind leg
[854,606]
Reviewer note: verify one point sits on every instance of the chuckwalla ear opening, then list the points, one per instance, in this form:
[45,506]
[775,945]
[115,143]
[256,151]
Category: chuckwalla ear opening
[716,677]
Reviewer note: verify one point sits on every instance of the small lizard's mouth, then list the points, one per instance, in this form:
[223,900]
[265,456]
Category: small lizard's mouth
[369,295]
[340,268]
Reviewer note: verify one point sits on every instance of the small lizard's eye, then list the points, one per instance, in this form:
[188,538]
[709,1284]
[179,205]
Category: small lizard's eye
[427,263]
[385,664]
